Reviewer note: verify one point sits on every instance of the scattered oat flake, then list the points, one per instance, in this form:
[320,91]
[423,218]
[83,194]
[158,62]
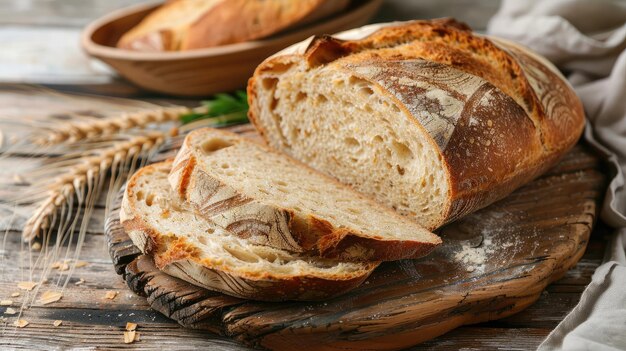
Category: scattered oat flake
[129,336]
[57,322]
[15,294]
[131,326]
[111,295]
[80,281]
[26,285]
[20,323]
[10,311]
[64,267]
[80,264]
[56,265]
[50,297]
[6,302]
[36,246]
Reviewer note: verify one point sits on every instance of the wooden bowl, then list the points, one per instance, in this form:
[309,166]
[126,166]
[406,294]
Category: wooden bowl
[207,71]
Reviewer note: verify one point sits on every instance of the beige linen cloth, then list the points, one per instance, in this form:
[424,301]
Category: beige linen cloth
[586,39]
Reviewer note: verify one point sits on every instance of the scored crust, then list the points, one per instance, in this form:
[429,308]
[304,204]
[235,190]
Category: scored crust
[184,258]
[494,113]
[269,223]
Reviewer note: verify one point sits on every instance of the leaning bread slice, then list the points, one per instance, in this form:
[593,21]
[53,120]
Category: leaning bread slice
[273,200]
[196,250]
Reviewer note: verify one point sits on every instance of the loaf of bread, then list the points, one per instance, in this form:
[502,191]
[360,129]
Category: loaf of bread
[194,24]
[190,247]
[424,116]
[273,200]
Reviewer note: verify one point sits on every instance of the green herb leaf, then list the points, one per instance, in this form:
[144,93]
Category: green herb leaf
[223,109]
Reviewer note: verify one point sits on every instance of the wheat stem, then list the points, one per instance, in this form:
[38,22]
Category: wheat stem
[84,174]
[76,130]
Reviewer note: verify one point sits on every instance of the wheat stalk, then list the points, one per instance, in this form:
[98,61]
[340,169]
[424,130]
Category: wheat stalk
[61,152]
[65,150]
[86,128]
[84,174]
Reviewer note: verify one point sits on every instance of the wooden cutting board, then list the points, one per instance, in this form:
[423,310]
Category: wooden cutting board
[492,264]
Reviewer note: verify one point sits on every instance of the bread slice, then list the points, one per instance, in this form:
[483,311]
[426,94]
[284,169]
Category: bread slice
[271,199]
[194,249]
[193,24]
[424,116]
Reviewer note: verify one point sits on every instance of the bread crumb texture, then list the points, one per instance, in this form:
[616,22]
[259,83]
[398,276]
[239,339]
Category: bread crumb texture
[424,116]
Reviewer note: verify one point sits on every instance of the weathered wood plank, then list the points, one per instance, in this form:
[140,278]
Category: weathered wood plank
[95,329]
[478,338]
[9,220]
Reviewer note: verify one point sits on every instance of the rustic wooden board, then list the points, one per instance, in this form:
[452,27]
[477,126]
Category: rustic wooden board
[493,264]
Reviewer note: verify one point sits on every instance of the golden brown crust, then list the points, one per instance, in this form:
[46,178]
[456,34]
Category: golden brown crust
[186,175]
[223,22]
[235,21]
[562,110]
[345,245]
[322,238]
[518,115]
[161,40]
[253,100]
[300,288]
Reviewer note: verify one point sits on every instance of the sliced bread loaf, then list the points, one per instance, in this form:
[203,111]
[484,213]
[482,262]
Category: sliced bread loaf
[194,249]
[271,199]
[424,116]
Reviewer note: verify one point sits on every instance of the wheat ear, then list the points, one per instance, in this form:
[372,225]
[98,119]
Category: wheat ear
[80,129]
[65,186]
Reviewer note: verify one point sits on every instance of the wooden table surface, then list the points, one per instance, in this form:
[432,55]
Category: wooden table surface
[91,321]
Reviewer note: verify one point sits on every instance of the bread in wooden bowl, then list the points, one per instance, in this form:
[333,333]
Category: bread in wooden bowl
[271,199]
[201,72]
[195,24]
[424,116]
[192,248]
